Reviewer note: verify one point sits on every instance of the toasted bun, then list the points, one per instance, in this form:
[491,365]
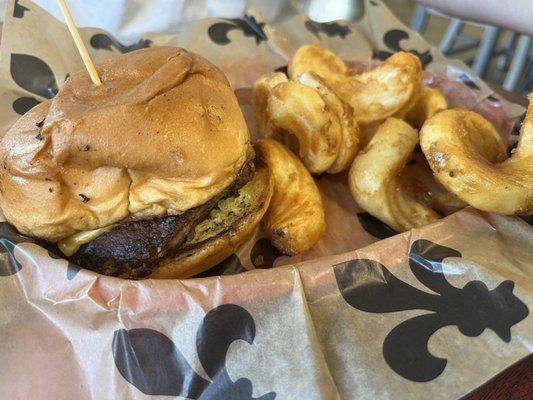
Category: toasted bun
[229,225]
[162,134]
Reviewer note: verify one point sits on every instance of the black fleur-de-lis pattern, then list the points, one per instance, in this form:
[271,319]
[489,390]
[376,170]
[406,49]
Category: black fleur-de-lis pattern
[264,254]
[72,269]
[9,238]
[330,29]
[22,105]
[369,286]
[468,81]
[218,32]
[19,10]
[518,124]
[374,226]
[34,75]
[149,360]
[528,219]
[393,40]
[104,41]
[8,263]
[283,68]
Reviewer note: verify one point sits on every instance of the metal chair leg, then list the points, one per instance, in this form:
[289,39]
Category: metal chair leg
[507,51]
[486,47]
[517,64]
[420,18]
[526,85]
[453,30]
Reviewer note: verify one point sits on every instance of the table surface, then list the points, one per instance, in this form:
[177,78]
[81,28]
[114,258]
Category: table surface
[516,382]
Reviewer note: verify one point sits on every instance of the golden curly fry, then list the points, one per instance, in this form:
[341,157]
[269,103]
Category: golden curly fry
[374,178]
[384,90]
[389,89]
[349,126]
[295,219]
[316,59]
[401,114]
[261,90]
[296,109]
[430,102]
[467,155]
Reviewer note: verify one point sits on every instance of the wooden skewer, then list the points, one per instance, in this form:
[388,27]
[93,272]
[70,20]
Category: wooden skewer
[79,42]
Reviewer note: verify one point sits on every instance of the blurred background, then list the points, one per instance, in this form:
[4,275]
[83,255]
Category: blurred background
[497,45]
[498,55]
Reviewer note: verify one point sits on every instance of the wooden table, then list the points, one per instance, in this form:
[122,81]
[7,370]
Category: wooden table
[515,383]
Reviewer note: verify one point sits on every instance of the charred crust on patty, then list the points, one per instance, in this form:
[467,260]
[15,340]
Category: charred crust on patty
[132,249]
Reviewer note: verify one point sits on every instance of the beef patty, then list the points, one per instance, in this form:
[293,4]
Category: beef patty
[133,248]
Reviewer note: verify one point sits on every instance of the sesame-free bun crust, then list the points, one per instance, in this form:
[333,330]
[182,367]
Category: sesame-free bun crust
[162,134]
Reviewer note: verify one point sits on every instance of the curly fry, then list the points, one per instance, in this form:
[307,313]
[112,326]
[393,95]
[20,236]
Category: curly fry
[374,178]
[468,156]
[261,91]
[296,109]
[316,59]
[386,90]
[349,127]
[295,219]
[430,102]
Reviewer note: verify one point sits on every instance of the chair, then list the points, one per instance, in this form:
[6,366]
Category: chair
[515,52]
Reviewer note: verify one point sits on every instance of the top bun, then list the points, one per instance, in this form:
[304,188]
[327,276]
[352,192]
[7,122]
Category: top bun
[162,134]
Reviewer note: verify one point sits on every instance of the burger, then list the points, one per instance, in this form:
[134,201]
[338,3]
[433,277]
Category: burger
[151,174]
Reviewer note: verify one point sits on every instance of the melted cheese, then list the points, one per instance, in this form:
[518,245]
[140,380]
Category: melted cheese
[71,244]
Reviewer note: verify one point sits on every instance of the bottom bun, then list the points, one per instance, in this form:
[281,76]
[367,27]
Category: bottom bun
[229,225]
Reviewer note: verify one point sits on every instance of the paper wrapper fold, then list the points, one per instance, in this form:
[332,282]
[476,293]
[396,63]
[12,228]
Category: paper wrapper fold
[431,313]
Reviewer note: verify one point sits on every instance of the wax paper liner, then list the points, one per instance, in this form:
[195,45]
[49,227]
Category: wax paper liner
[431,313]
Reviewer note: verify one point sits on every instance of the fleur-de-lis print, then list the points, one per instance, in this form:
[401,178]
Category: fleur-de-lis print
[151,362]
[467,80]
[392,39]
[106,42]
[72,269]
[264,254]
[22,105]
[374,226]
[518,124]
[19,10]
[35,76]
[9,238]
[218,32]
[331,29]
[283,68]
[528,218]
[513,141]
[369,286]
